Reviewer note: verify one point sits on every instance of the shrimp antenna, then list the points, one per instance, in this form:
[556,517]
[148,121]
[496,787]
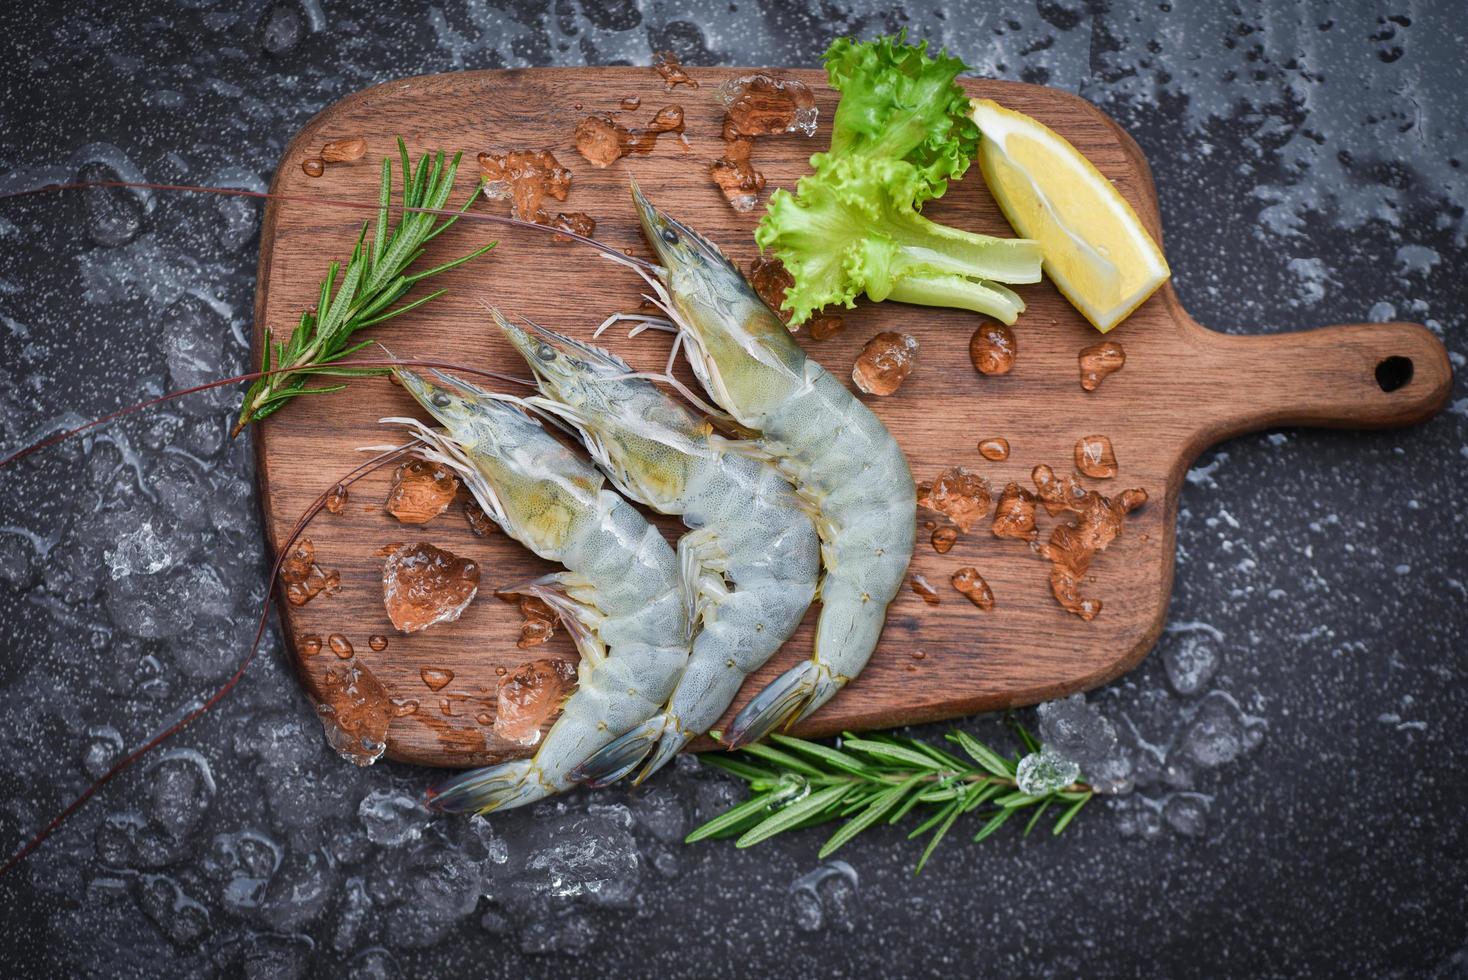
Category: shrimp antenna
[59,437]
[664,302]
[478,372]
[316,506]
[337,202]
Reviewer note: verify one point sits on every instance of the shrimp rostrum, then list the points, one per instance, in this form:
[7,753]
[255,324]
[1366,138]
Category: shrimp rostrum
[621,595]
[828,444]
[750,559]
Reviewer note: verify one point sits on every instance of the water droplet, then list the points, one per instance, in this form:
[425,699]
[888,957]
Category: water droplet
[304,579]
[666,64]
[344,150]
[1098,361]
[995,450]
[924,588]
[992,349]
[436,678]
[525,178]
[972,586]
[1095,457]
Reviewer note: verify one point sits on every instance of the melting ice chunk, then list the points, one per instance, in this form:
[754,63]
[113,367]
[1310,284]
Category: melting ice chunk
[355,712]
[1045,772]
[423,585]
[529,696]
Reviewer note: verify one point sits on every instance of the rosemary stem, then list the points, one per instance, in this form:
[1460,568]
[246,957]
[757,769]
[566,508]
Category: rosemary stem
[306,358]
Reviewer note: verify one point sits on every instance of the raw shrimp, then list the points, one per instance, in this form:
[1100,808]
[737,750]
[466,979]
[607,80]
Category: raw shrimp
[621,596]
[752,555]
[827,443]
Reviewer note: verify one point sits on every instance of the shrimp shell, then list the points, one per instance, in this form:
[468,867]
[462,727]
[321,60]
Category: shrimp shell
[826,442]
[752,555]
[621,596]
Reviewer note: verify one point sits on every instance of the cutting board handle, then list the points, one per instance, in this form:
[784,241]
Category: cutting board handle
[1356,376]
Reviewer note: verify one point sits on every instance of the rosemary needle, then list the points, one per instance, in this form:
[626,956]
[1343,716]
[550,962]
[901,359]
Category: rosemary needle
[375,278]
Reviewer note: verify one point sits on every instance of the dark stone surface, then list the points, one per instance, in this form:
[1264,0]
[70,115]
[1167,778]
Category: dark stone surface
[1309,160]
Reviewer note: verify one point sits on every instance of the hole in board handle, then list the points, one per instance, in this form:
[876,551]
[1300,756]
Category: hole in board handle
[1394,372]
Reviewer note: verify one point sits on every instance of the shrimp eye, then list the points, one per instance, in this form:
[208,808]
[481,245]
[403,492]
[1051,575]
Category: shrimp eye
[670,236]
[546,352]
[441,399]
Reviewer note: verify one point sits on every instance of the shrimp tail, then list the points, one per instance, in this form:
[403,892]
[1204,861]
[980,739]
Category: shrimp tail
[786,700]
[672,742]
[620,756]
[500,787]
[658,739]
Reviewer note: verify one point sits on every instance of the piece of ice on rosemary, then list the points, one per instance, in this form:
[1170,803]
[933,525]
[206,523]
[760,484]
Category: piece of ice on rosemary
[1045,772]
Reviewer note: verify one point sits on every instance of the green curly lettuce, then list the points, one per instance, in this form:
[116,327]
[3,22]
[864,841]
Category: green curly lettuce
[852,228]
[902,130]
[898,103]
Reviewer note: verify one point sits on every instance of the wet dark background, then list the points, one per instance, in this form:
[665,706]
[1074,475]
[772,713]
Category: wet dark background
[1309,161]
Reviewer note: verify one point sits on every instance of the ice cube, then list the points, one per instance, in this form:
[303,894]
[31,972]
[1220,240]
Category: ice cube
[392,819]
[266,957]
[1219,733]
[661,813]
[1045,772]
[1138,816]
[587,856]
[181,789]
[1187,813]
[298,893]
[423,585]
[442,888]
[1076,730]
[181,919]
[103,747]
[374,964]
[1191,659]
[193,337]
[355,712]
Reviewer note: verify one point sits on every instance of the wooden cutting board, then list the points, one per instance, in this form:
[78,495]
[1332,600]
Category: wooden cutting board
[1184,388]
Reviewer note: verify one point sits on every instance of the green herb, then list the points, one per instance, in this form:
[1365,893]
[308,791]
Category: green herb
[374,279]
[902,130]
[880,779]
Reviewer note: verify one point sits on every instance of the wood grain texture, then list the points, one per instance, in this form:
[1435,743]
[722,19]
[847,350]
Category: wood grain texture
[1183,388]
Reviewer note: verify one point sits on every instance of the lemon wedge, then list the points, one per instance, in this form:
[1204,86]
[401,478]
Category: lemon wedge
[1095,248]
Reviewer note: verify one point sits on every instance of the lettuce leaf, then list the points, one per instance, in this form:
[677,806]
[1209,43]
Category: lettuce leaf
[898,103]
[902,130]
[852,228]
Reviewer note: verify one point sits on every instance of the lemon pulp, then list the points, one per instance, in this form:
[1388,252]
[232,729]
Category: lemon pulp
[1096,250]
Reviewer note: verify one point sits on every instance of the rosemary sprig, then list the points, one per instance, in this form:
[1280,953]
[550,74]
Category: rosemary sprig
[873,779]
[374,279]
